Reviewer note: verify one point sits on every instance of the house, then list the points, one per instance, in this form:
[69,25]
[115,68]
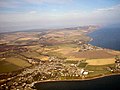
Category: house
[117,62]
[83,72]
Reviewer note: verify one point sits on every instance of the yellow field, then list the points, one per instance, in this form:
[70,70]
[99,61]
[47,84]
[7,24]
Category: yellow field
[64,49]
[95,57]
[33,38]
[18,62]
[94,54]
[101,61]
[34,47]
[113,52]
[43,57]
[74,59]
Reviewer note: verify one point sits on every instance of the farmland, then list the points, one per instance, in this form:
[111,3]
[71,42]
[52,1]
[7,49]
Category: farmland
[53,55]
[7,67]
[19,47]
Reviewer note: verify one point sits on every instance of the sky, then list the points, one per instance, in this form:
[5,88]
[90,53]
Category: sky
[35,14]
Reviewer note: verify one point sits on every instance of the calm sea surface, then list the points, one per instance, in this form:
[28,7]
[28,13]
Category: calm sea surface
[105,83]
[106,38]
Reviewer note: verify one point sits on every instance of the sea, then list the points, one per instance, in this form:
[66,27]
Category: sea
[105,83]
[107,37]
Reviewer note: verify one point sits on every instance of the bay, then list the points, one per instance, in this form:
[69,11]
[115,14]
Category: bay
[104,83]
[108,37]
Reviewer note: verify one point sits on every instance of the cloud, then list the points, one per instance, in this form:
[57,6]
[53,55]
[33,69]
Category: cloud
[38,19]
[48,1]
[108,15]
[9,3]
[22,3]
[114,8]
[32,12]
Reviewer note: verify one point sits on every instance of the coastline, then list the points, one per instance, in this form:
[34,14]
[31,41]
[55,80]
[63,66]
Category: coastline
[86,78]
[40,74]
[101,38]
[70,80]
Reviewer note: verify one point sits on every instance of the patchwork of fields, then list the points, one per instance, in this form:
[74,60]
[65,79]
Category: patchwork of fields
[20,50]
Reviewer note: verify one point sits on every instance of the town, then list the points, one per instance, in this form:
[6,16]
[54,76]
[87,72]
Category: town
[31,57]
[54,69]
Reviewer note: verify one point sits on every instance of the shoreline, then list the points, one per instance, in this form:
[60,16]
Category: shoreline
[36,76]
[92,39]
[71,80]
[86,78]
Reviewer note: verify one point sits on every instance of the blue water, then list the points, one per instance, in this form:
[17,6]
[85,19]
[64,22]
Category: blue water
[106,83]
[106,38]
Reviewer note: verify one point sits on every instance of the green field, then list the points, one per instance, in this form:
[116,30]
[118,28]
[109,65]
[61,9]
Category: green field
[8,67]
[98,70]
[71,62]
[18,62]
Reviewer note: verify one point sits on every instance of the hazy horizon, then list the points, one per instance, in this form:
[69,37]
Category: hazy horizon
[34,14]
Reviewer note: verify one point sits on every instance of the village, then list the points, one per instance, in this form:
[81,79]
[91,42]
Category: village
[54,56]
[54,69]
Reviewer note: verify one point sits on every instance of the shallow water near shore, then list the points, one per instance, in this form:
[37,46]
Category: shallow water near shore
[108,37]
[104,83]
